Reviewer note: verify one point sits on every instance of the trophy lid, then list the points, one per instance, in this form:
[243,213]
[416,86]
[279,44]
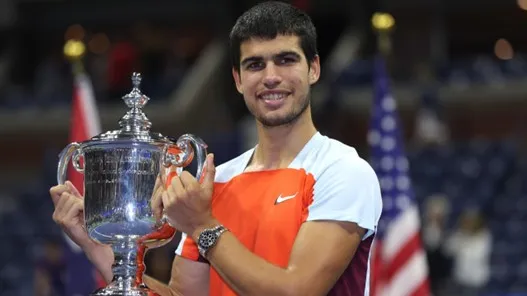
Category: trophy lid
[135,126]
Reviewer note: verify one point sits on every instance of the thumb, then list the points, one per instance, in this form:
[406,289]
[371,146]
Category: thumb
[73,189]
[210,171]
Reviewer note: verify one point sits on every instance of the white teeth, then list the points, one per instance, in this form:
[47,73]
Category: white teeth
[273,97]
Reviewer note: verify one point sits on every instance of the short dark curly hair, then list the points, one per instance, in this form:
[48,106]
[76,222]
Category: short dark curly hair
[269,19]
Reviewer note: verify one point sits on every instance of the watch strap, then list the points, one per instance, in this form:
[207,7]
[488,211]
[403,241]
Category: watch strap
[217,231]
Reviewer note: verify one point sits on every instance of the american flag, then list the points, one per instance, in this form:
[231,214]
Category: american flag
[81,276]
[399,263]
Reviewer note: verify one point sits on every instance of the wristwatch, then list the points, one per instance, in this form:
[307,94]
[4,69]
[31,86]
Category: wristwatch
[208,238]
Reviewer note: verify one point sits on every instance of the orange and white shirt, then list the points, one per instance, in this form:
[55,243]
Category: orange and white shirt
[327,180]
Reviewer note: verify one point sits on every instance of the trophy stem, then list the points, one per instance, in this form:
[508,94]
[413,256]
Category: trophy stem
[125,263]
[125,268]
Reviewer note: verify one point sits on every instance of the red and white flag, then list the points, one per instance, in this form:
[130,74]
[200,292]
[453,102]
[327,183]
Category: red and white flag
[399,265]
[82,278]
[84,120]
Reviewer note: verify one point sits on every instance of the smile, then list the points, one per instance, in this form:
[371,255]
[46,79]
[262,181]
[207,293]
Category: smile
[273,99]
[273,96]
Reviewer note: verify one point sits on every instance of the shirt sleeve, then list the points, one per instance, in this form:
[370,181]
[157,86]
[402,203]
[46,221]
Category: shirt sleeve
[188,249]
[348,190]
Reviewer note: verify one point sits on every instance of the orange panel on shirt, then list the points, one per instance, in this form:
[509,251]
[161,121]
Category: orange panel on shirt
[247,205]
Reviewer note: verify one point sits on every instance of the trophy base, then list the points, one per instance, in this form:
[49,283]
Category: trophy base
[116,290]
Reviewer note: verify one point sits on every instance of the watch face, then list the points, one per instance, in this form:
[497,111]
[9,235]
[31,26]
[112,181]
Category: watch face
[207,238]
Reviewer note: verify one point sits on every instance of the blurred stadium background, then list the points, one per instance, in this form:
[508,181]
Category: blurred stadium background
[458,73]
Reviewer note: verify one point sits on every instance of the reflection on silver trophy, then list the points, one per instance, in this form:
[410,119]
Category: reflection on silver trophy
[120,170]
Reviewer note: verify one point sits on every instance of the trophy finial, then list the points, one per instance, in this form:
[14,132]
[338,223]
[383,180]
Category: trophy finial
[135,100]
[136,79]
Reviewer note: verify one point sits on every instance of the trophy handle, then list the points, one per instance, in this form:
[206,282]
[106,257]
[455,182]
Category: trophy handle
[72,151]
[187,147]
[180,154]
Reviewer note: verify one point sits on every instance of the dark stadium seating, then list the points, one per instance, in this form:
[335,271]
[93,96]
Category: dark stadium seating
[462,72]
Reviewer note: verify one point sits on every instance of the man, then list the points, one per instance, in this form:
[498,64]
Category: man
[296,215]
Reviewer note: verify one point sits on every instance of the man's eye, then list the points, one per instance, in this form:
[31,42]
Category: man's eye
[255,66]
[286,60]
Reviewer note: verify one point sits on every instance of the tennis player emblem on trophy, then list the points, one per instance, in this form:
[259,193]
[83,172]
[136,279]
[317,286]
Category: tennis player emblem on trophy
[120,170]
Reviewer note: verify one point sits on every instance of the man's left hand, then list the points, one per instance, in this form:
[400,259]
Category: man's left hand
[187,202]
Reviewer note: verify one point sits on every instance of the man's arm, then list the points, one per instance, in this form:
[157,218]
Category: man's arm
[320,254]
[188,278]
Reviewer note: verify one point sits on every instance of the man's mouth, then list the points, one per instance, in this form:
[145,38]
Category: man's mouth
[273,96]
[274,99]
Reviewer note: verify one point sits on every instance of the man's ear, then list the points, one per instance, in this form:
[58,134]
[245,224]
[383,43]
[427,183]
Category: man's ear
[314,70]
[237,80]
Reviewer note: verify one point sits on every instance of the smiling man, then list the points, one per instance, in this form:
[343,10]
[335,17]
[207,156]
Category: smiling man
[296,214]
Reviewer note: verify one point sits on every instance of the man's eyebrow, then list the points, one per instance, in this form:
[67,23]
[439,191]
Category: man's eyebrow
[281,54]
[251,59]
[287,53]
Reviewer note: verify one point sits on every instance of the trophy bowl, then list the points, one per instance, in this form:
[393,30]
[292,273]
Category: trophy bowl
[120,171]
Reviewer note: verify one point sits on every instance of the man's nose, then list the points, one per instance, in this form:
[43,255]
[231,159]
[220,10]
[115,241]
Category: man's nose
[272,77]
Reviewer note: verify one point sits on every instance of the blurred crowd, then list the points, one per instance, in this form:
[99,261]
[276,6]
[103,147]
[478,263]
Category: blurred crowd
[461,74]
[36,76]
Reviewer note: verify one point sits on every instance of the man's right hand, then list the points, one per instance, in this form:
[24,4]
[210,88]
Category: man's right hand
[69,215]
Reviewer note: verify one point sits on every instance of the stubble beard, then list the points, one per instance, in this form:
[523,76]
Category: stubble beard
[289,119]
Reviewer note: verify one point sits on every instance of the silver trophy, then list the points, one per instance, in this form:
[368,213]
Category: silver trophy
[120,170]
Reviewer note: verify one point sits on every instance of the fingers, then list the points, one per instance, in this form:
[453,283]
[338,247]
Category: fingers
[159,183]
[69,202]
[167,201]
[67,208]
[169,178]
[165,198]
[61,204]
[210,173]
[75,208]
[175,192]
[57,191]
[73,189]
[156,202]
[176,187]
[188,182]
[185,186]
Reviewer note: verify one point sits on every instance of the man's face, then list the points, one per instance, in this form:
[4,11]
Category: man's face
[275,79]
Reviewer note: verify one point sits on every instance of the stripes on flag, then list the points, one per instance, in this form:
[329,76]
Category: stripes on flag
[85,118]
[82,278]
[399,262]
[84,121]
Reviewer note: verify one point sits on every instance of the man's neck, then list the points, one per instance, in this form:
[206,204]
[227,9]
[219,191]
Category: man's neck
[278,146]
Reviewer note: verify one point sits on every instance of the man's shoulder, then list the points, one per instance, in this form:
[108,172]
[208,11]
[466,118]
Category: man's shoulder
[332,156]
[230,169]
[347,158]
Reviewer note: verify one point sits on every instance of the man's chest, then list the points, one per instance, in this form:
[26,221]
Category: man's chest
[265,211]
